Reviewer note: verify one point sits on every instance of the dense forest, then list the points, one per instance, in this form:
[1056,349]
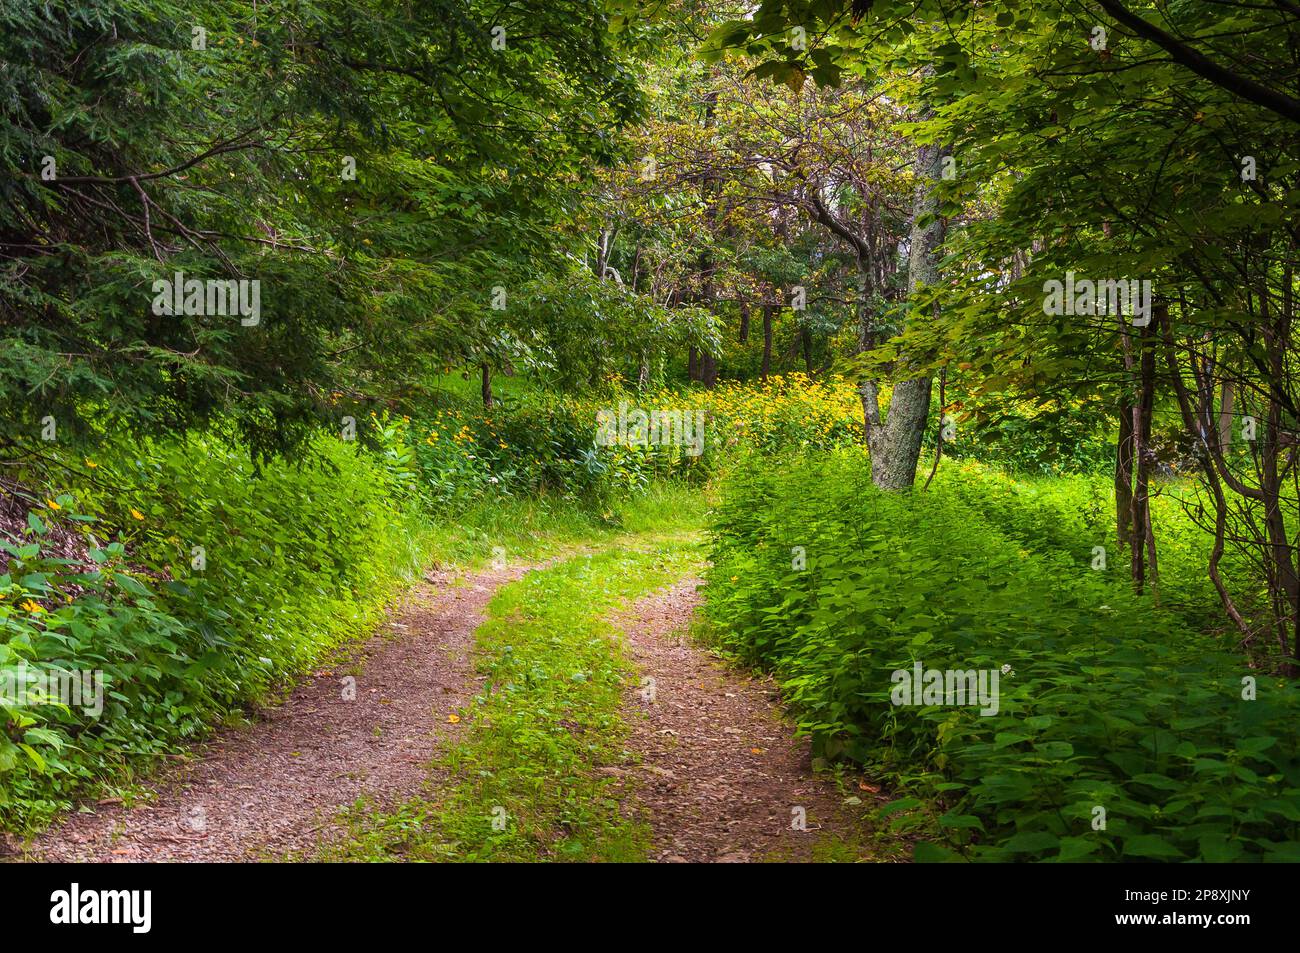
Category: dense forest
[629,430]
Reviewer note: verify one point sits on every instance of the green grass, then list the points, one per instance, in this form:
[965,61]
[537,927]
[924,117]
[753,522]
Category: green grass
[464,387]
[535,528]
[550,715]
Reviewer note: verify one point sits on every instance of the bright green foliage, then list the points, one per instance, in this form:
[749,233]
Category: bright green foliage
[539,442]
[295,559]
[583,335]
[1108,702]
[1023,437]
[1070,516]
[152,685]
[542,444]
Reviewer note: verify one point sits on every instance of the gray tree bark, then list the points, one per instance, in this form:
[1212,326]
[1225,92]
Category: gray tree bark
[897,450]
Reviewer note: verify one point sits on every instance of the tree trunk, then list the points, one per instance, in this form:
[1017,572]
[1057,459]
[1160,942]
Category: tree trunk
[1284,581]
[1226,399]
[744,322]
[904,427]
[710,192]
[1143,458]
[767,339]
[1124,449]
[487,386]
[867,389]
[1124,477]
[602,253]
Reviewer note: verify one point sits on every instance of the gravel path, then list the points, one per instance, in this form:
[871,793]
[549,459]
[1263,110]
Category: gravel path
[721,777]
[272,788]
[714,768]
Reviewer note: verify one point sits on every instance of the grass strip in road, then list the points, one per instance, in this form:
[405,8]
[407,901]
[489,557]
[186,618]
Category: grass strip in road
[524,780]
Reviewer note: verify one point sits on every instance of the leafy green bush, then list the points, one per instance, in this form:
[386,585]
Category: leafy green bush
[121,660]
[539,443]
[1106,702]
[1077,437]
[224,580]
[1070,515]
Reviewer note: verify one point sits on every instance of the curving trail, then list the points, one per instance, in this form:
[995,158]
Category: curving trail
[273,788]
[721,776]
[713,767]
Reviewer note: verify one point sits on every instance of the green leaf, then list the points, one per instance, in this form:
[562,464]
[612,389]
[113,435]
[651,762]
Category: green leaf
[1031,842]
[1149,845]
[32,753]
[926,852]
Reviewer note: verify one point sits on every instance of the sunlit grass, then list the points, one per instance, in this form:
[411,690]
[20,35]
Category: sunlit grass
[524,780]
[534,528]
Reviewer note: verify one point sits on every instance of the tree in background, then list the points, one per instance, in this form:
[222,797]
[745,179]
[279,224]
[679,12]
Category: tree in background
[1134,142]
[379,172]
